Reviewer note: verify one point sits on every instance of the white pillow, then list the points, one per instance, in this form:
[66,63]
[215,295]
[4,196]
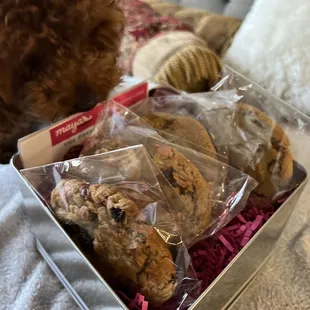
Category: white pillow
[272,48]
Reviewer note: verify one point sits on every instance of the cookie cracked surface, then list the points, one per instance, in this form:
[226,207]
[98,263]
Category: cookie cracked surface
[184,127]
[273,161]
[194,191]
[122,239]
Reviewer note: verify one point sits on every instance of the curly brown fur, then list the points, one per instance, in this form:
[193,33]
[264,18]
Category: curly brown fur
[55,56]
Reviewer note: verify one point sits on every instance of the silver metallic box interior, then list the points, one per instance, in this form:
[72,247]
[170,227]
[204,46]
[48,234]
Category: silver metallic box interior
[88,287]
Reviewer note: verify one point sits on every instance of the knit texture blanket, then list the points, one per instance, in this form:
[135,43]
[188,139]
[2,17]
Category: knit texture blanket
[26,280]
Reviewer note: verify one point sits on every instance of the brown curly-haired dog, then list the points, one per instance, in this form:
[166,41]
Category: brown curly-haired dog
[55,57]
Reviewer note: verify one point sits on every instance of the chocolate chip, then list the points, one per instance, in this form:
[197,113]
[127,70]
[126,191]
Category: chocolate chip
[257,123]
[169,123]
[182,190]
[168,173]
[84,191]
[276,144]
[118,214]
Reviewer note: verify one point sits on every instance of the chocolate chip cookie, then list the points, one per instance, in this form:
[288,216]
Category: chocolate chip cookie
[186,179]
[184,127]
[95,146]
[272,159]
[258,123]
[122,239]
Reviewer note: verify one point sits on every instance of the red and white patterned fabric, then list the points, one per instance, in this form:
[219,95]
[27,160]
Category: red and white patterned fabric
[143,23]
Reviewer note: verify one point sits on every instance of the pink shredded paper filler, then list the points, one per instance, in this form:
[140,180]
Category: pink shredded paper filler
[137,303]
[210,256]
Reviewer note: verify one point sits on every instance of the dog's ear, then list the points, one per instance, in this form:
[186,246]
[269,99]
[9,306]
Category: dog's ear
[100,52]
[19,25]
[58,52]
[107,25]
[7,96]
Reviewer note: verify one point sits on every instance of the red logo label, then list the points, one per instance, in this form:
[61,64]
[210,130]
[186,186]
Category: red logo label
[133,95]
[75,125]
[85,120]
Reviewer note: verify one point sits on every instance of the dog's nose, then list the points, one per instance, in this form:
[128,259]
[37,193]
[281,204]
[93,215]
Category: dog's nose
[85,105]
[85,101]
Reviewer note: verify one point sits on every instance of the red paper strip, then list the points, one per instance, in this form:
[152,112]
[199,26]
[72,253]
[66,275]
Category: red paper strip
[87,119]
[226,243]
[211,256]
[75,125]
[257,223]
[133,96]
[241,218]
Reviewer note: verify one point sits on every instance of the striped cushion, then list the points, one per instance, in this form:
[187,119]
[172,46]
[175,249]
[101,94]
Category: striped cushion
[180,59]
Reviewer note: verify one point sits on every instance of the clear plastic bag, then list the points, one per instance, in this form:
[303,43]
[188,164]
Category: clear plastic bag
[115,204]
[246,125]
[214,111]
[211,191]
[268,130]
